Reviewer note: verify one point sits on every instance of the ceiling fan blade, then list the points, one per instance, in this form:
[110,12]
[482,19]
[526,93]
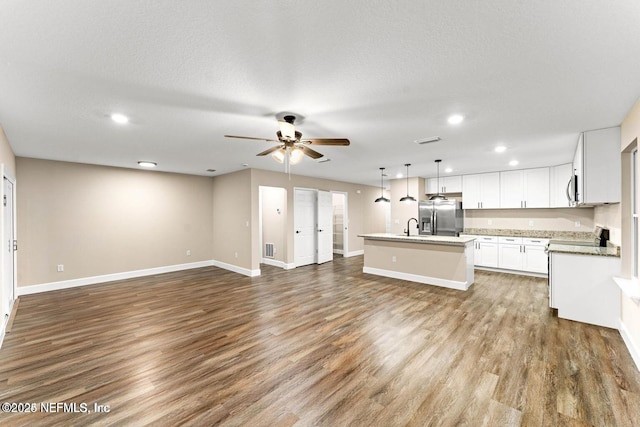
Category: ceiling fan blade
[327,141]
[250,137]
[270,150]
[309,152]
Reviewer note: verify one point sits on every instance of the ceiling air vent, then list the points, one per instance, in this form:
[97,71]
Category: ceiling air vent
[427,140]
[323,160]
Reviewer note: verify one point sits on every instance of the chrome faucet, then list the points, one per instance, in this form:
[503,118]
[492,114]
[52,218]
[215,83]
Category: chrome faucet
[408,222]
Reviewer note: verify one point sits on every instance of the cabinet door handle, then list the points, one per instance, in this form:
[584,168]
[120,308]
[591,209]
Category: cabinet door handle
[525,203]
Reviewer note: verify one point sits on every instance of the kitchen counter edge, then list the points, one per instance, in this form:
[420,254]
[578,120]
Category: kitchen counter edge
[433,240]
[584,250]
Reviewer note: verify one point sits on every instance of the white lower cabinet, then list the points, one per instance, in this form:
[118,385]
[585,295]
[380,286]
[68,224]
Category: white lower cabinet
[510,249]
[581,287]
[485,251]
[511,253]
[487,254]
[535,258]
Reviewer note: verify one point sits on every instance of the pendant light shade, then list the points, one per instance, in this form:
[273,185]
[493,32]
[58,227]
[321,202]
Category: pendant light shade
[407,198]
[382,198]
[438,196]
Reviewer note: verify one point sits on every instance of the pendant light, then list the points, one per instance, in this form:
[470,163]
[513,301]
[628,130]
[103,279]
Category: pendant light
[438,196]
[407,198]
[382,198]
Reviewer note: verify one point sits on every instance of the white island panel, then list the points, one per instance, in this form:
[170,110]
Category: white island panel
[433,260]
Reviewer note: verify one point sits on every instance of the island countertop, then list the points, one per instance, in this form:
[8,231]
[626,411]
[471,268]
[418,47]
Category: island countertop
[434,240]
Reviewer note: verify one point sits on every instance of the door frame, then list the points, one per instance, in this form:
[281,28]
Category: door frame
[293,225]
[6,175]
[345,223]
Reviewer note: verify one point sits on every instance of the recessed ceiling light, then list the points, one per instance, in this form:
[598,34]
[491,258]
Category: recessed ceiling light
[399,175]
[455,119]
[211,170]
[121,119]
[513,163]
[448,170]
[244,165]
[146,164]
[500,149]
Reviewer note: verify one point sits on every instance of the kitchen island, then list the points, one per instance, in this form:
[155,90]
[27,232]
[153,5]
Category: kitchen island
[434,260]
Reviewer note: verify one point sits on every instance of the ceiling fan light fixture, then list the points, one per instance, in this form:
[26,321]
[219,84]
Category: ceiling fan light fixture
[287,130]
[278,155]
[296,155]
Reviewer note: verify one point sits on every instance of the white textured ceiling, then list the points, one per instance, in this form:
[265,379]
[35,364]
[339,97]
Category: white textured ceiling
[530,75]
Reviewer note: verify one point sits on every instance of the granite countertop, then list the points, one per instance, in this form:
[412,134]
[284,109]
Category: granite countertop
[436,240]
[585,250]
[579,236]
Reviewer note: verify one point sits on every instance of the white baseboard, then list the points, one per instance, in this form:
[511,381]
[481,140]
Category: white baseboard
[2,330]
[93,280]
[354,253]
[274,263]
[338,251]
[633,347]
[281,264]
[518,272]
[461,286]
[237,269]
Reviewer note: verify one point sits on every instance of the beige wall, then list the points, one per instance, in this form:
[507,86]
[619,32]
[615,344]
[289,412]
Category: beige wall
[6,154]
[98,220]
[609,216]
[232,225]
[559,219]
[630,133]
[363,214]
[274,220]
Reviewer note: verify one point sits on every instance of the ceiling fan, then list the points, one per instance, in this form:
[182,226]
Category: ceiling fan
[291,147]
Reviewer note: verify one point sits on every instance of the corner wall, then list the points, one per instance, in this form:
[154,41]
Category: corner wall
[6,154]
[232,222]
[630,311]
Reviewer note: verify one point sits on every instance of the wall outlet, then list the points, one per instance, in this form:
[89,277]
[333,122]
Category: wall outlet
[396,221]
[236,254]
[489,222]
[246,223]
[188,252]
[60,268]
[577,223]
[530,223]
[393,259]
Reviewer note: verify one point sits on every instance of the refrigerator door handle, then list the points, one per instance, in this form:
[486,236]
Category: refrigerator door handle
[434,219]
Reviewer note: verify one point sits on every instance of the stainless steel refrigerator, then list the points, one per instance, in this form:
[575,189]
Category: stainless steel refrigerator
[441,217]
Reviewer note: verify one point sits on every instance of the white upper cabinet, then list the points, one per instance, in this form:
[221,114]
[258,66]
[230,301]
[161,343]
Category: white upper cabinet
[481,191]
[560,185]
[528,188]
[448,184]
[597,166]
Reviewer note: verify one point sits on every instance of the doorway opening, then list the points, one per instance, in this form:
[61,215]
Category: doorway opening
[340,227]
[273,226]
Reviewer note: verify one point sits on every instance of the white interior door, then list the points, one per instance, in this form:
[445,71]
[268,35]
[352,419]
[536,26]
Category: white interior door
[304,224]
[8,247]
[325,227]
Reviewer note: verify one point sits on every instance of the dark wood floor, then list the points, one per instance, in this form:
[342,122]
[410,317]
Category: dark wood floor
[320,345]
